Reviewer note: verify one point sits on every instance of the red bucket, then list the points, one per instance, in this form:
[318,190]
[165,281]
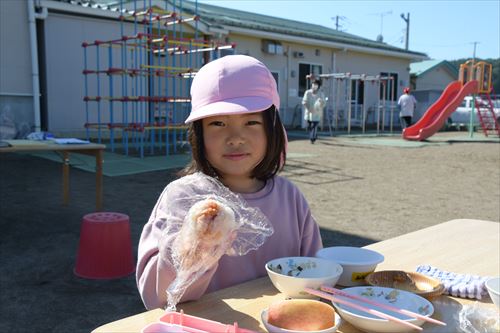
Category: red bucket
[105,248]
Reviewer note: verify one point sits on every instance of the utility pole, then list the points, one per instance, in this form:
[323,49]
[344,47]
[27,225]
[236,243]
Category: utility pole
[474,53]
[407,20]
[337,18]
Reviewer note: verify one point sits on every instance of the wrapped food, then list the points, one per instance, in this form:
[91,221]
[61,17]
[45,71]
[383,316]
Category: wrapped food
[203,220]
[207,226]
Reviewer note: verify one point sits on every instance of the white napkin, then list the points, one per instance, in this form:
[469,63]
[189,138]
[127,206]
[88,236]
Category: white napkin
[458,285]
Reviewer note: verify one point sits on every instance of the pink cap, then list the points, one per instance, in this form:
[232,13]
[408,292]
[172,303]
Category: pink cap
[233,84]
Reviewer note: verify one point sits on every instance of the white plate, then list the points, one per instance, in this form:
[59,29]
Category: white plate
[397,298]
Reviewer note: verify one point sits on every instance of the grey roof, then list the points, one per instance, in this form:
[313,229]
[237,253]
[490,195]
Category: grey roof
[219,16]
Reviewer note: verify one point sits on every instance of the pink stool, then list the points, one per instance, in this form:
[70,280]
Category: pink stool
[105,248]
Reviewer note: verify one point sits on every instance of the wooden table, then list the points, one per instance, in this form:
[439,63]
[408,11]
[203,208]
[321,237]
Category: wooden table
[461,246]
[65,149]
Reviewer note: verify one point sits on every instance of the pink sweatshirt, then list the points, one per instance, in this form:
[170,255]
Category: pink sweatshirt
[295,234]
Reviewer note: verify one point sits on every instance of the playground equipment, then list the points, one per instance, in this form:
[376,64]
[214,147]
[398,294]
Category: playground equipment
[473,79]
[141,79]
[481,72]
[345,100]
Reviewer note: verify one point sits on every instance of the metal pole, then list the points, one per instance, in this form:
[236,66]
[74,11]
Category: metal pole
[364,107]
[378,107]
[407,20]
[349,105]
[472,75]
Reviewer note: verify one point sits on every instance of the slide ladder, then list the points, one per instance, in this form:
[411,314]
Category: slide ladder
[486,115]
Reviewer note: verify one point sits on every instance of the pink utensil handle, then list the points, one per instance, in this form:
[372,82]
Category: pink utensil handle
[361,308]
[384,306]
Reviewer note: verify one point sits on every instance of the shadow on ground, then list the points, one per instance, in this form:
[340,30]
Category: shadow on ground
[337,238]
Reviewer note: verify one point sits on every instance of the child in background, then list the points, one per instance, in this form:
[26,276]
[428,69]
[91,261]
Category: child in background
[236,136]
[408,104]
[314,102]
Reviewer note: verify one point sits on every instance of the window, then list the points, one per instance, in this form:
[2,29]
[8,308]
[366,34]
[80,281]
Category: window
[391,84]
[272,47]
[304,70]
[357,97]
[276,76]
[225,52]
[216,54]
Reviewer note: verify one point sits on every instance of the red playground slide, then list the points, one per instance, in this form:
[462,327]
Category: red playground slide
[437,114]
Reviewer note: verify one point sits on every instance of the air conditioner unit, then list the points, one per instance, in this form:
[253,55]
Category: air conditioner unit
[297,54]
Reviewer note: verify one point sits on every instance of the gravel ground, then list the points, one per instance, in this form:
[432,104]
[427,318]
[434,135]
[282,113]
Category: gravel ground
[360,192]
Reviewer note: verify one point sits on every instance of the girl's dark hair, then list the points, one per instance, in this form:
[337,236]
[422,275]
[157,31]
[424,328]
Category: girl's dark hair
[318,82]
[274,158]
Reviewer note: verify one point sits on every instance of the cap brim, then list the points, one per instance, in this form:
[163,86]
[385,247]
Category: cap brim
[233,106]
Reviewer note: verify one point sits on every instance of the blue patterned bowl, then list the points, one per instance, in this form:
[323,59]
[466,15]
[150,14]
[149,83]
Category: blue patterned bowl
[291,275]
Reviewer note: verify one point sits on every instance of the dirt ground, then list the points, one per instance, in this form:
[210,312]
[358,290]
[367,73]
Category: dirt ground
[373,192]
[360,191]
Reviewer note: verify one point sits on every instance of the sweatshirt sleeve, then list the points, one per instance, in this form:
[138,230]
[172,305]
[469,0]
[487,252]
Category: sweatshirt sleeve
[311,238]
[154,271]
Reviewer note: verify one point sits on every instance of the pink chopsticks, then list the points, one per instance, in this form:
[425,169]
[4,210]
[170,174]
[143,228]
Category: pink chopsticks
[368,310]
[361,308]
[383,306]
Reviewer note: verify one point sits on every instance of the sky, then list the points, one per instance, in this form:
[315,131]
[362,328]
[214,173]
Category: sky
[443,29]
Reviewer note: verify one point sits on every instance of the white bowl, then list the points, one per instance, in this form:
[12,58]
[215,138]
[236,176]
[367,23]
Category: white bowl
[356,262]
[291,275]
[394,297]
[274,329]
[493,286]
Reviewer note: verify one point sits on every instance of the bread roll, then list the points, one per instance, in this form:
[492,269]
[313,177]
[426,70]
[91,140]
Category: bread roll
[207,226]
[301,315]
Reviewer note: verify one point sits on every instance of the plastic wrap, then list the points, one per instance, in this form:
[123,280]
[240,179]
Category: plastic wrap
[203,221]
[475,318]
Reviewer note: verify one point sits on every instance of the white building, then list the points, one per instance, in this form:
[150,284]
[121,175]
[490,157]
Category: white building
[41,64]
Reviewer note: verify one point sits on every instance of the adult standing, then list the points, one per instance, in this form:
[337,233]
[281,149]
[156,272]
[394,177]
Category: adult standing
[407,103]
[314,102]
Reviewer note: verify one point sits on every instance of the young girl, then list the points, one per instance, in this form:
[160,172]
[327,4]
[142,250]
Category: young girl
[237,137]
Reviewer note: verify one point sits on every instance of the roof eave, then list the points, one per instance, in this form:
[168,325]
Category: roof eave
[329,44]
[71,8]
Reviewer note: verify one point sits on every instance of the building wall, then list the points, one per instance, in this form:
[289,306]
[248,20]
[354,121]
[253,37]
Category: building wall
[436,79]
[16,91]
[332,61]
[65,83]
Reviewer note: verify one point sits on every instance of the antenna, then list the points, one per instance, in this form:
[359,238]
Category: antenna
[380,37]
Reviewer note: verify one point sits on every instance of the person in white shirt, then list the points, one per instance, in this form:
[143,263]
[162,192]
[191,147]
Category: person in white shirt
[407,103]
[314,102]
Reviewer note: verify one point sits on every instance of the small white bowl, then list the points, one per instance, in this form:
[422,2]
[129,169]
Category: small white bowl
[273,329]
[356,262]
[493,286]
[291,275]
